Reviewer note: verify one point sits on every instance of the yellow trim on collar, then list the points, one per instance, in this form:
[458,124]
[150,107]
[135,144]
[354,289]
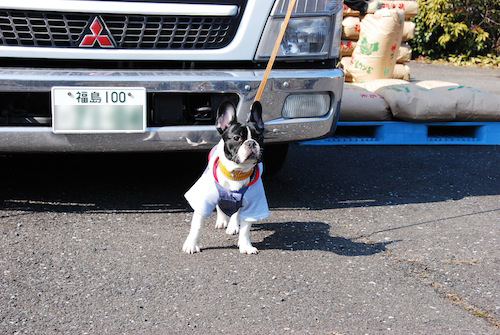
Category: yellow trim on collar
[235,175]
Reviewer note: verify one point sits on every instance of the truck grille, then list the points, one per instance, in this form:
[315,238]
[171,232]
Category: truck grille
[66,30]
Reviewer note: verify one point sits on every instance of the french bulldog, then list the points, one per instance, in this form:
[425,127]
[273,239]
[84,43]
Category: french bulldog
[232,182]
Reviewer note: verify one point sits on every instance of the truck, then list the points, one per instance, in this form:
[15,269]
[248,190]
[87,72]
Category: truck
[149,75]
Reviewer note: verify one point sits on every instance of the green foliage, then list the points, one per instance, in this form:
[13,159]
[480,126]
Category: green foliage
[461,29]
[488,61]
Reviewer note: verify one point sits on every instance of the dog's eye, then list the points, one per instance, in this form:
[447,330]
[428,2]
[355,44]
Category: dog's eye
[237,138]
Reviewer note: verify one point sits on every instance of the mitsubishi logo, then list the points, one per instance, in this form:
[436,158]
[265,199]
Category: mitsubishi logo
[99,33]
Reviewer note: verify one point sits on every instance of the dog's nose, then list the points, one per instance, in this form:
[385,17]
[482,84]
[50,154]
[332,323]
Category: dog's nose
[251,144]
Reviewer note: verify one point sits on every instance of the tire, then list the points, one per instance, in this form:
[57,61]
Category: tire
[274,158]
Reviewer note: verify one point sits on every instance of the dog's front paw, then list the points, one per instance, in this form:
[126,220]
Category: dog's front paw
[190,247]
[233,228]
[221,223]
[248,249]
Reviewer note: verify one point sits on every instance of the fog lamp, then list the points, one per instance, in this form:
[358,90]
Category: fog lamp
[306,105]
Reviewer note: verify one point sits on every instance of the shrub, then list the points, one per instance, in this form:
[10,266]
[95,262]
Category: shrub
[462,28]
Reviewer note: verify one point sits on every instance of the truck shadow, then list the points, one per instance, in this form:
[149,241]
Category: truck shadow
[312,178]
[364,176]
[129,183]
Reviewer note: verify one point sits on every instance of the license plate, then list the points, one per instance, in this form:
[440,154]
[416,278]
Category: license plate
[83,110]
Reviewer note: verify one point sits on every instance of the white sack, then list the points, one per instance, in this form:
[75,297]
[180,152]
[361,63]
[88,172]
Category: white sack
[431,84]
[404,54]
[374,85]
[351,29]
[375,54]
[347,47]
[408,31]
[401,71]
[410,8]
[345,63]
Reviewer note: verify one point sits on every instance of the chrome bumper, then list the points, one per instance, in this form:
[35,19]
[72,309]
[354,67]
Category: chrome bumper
[244,83]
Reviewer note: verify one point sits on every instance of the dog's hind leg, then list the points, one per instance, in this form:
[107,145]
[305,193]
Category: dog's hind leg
[222,219]
[244,239]
[191,244]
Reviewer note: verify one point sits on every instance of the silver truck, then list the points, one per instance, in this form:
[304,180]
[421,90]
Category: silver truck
[149,75]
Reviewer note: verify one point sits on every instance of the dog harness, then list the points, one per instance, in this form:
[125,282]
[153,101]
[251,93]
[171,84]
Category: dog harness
[231,201]
[207,193]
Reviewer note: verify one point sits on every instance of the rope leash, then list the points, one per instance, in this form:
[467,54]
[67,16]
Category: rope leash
[272,58]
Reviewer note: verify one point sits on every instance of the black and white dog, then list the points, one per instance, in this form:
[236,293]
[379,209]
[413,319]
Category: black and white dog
[232,180]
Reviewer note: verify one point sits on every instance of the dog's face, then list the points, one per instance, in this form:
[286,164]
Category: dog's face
[243,142]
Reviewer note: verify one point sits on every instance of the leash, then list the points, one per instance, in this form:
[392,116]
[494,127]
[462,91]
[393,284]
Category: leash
[272,58]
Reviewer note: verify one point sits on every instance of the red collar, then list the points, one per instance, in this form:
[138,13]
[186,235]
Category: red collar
[253,179]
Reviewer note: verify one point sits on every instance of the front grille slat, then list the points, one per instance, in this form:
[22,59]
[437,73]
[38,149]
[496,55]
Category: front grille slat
[66,30]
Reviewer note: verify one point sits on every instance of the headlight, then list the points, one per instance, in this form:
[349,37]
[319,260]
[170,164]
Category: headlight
[312,33]
[337,35]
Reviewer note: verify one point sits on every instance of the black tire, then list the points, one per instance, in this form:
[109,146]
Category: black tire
[274,158]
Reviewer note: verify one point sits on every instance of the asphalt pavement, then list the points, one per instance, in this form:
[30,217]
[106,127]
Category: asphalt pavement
[485,79]
[361,240]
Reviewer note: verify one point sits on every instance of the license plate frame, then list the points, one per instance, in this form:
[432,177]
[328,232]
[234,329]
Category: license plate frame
[94,110]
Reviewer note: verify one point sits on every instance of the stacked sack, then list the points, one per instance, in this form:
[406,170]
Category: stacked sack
[351,29]
[431,100]
[422,101]
[373,55]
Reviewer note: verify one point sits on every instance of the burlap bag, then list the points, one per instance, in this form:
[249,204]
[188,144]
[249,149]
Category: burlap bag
[404,54]
[401,71]
[410,8]
[410,102]
[358,104]
[374,85]
[376,51]
[347,47]
[351,29]
[472,104]
[345,63]
[408,31]
[431,84]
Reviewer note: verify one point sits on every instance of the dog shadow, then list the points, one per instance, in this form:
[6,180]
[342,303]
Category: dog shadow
[301,236]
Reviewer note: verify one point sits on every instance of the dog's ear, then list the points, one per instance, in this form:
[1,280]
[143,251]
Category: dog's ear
[226,115]
[256,115]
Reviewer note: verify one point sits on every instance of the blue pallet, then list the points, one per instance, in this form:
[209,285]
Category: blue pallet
[407,133]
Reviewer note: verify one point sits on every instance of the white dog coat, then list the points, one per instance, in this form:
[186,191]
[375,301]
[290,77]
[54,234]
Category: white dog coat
[204,195]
